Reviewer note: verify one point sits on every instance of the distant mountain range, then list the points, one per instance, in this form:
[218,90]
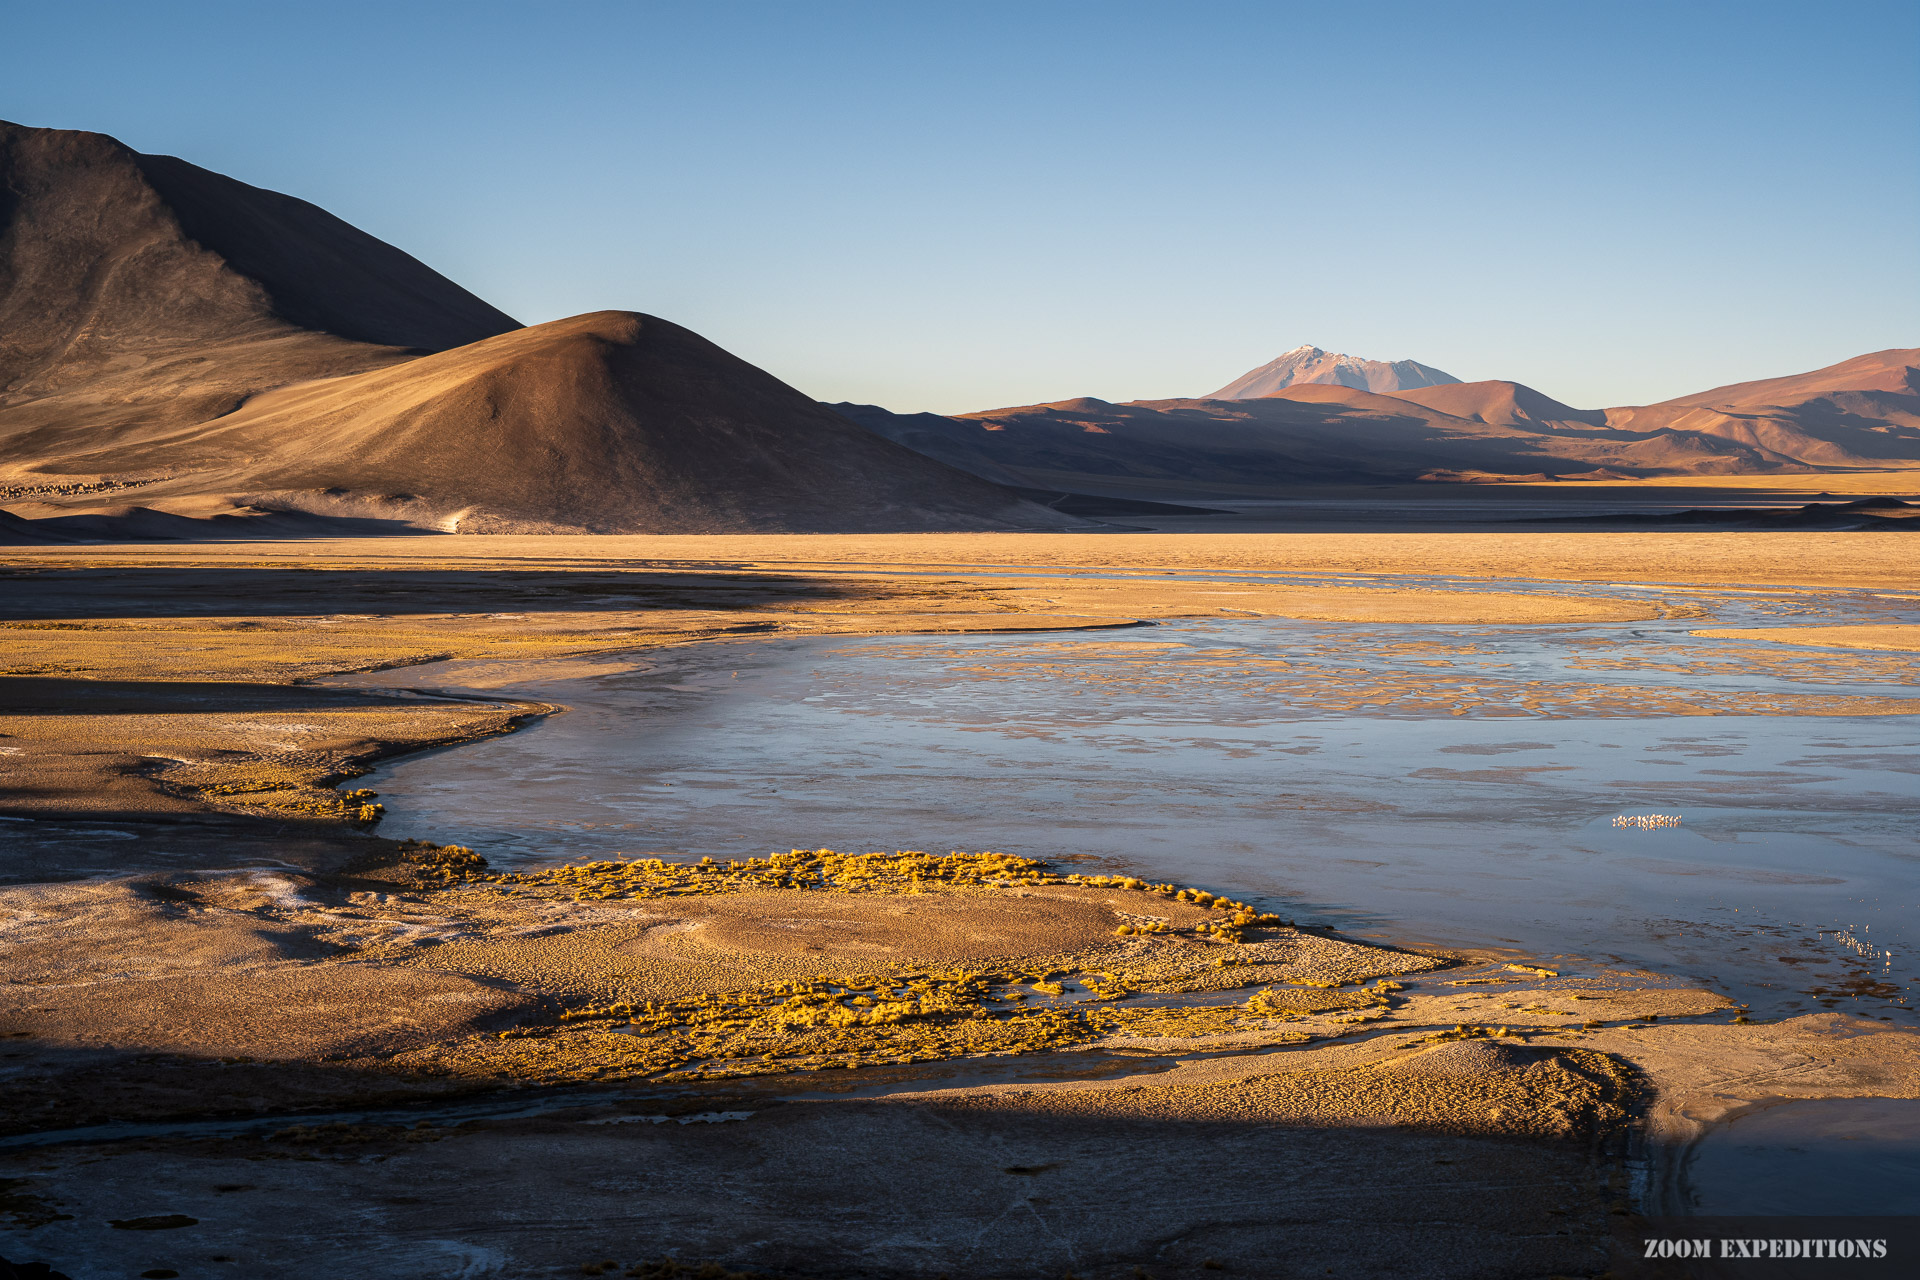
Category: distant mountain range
[183,353]
[1307,365]
[1861,414]
[178,347]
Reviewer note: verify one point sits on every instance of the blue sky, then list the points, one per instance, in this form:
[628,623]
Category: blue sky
[964,206]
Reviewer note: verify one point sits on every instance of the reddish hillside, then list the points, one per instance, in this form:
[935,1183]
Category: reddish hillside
[1896,370]
[1502,403]
[1860,413]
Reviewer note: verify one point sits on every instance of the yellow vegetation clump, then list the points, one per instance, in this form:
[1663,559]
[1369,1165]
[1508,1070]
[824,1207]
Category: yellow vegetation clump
[443,862]
[1469,1032]
[290,791]
[869,1019]
[846,1019]
[814,869]
[1265,1005]
[1310,997]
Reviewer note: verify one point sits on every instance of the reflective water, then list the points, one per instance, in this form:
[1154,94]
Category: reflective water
[1428,784]
[1837,1156]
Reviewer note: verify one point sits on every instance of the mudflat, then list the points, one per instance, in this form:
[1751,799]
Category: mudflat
[1786,558]
[232,1002]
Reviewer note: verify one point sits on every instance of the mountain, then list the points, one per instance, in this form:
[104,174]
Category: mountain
[608,422]
[140,291]
[176,343]
[1862,414]
[1328,434]
[1892,372]
[1499,403]
[922,432]
[1307,364]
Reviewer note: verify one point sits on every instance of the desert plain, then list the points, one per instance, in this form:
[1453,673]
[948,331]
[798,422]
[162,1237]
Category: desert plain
[267,1014]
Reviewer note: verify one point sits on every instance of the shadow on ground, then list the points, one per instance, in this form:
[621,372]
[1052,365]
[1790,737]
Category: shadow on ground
[979,1187]
[293,590]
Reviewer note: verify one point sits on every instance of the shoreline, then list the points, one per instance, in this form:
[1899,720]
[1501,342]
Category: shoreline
[425,964]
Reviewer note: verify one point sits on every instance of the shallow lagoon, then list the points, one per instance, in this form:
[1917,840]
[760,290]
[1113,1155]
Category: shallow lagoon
[1841,1157]
[1423,784]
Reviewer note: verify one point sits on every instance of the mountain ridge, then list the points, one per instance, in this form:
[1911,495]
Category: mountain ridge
[1848,416]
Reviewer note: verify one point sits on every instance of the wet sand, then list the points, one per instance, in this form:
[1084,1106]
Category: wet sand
[1903,638]
[214,937]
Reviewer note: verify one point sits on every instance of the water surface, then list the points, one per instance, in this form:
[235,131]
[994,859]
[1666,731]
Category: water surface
[1426,784]
[1819,1156]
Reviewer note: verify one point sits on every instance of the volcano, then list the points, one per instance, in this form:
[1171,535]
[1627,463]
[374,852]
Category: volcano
[1308,365]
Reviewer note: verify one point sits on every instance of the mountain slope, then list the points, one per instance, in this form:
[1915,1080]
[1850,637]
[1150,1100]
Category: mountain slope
[1308,435]
[1896,370]
[611,423]
[1309,364]
[1501,403]
[185,343]
[1863,412]
[140,290]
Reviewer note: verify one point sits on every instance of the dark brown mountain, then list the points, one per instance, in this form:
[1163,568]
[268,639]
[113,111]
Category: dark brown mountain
[141,291]
[174,341]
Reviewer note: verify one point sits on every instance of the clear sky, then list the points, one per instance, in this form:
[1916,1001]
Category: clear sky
[968,205]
